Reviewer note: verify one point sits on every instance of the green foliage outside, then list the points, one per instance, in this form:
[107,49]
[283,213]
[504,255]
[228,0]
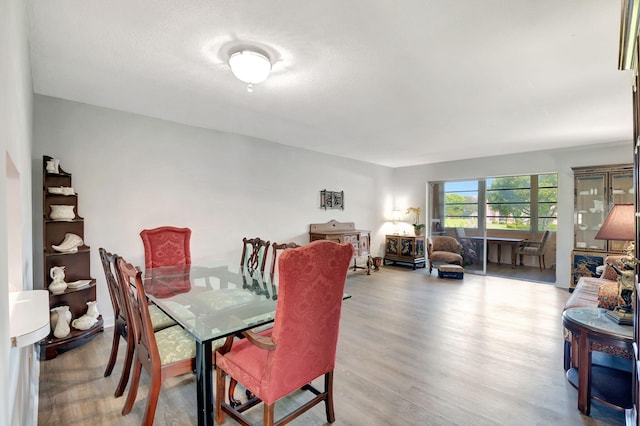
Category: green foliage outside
[509,204]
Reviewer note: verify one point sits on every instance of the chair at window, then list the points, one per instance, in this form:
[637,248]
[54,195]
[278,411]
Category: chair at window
[165,353]
[302,345]
[166,246]
[275,247]
[443,250]
[159,320]
[254,254]
[534,248]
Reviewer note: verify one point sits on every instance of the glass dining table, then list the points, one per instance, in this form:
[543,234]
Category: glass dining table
[211,303]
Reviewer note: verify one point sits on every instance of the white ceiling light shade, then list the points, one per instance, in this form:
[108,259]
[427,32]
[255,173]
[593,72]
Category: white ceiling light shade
[250,66]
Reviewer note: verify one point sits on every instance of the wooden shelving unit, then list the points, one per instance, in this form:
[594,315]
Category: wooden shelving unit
[77,264]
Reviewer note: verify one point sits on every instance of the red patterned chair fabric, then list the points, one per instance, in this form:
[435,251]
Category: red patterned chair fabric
[592,292]
[302,344]
[444,250]
[166,246]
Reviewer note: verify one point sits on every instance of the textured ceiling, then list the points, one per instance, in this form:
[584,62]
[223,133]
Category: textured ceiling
[395,83]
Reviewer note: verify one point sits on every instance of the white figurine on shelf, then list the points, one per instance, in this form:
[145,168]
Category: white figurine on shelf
[53,166]
[57,275]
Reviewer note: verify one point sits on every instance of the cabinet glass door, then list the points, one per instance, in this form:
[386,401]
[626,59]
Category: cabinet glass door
[591,210]
[621,192]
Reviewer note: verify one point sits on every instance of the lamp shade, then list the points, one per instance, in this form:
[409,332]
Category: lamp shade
[619,224]
[249,66]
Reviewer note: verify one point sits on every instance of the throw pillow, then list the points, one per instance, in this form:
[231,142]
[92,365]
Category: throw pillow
[608,297]
[609,273]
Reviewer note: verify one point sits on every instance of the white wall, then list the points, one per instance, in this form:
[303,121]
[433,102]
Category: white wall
[552,161]
[133,172]
[19,382]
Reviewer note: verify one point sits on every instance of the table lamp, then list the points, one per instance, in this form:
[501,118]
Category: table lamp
[620,226]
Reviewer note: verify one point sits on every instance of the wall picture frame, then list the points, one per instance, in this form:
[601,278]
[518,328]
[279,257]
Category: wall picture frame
[331,199]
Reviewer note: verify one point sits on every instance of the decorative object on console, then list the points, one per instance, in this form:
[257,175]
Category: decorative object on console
[62,212]
[70,244]
[331,199]
[418,227]
[620,225]
[58,285]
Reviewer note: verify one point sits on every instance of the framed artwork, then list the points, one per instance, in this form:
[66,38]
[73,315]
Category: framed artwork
[331,199]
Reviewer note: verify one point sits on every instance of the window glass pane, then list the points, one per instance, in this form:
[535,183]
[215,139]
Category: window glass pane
[461,204]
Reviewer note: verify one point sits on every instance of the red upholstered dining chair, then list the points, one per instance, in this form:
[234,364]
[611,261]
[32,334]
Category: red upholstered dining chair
[165,353]
[302,344]
[159,320]
[254,253]
[166,246]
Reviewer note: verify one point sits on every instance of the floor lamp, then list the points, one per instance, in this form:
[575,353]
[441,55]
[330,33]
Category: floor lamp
[620,226]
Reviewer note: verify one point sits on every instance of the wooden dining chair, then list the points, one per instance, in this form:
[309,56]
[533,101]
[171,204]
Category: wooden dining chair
[254,253]
[166,246]
[275,248]
[159,319]
[165,353]
[302,344]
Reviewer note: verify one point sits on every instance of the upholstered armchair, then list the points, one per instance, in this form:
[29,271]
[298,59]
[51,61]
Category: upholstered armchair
[443,250]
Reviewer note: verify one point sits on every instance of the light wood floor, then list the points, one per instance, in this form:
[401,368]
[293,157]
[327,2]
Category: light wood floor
[413,350]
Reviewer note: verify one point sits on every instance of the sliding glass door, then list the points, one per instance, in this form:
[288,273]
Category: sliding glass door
[492,217]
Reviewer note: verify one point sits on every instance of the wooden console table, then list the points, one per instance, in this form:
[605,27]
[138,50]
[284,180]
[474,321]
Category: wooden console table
[405,249]
[345,232]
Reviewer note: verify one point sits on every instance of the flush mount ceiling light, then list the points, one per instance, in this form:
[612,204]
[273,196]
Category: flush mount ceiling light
[250,66]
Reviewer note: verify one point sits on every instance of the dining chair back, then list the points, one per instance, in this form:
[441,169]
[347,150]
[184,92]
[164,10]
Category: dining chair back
[534,248]
[109,264]
[275,248]
[254,253]
[302,344]
[166,246]
[165,353]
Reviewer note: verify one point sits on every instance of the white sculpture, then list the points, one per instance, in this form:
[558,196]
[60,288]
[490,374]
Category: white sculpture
[62,212]
[61,190]
[62,325]
[70,244]
[92,309]
[53,166]
[57,275]
[85,322]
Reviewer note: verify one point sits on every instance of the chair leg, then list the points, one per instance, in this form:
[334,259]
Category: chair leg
[220,384]
[114,351]
[133,388]
[521,259]
[540,260]
[126,368]
[328,403]
[268,416]
[152,399]
[232,391]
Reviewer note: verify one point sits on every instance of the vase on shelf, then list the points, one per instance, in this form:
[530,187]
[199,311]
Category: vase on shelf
[62,328]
